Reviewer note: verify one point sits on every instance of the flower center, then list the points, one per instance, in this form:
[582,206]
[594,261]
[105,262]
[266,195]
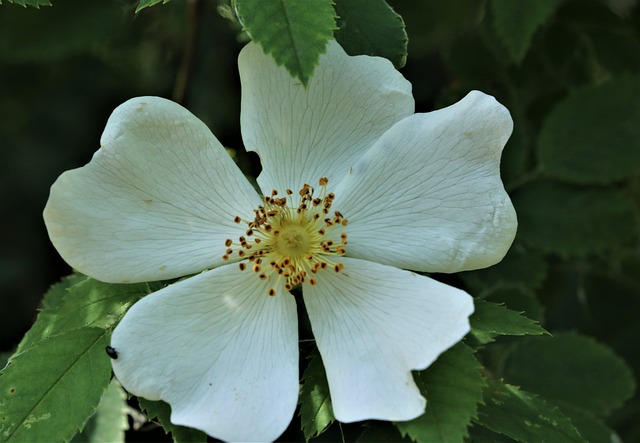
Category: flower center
[291,242]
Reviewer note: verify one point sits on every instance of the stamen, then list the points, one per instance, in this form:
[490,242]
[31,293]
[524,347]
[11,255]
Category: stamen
[296,238]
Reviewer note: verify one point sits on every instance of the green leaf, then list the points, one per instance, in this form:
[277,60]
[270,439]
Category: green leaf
[480,434]
[53,300]
[573,221]
[80,301]
[161,411]
[518,298]
[523,416]
[571,368]
[492,319]
[110,420]
[371,27]
[35,3]
[294,32]
[316,412]
[609,38]
[516,22]
[590,427]
[453,388]
[4,359]
[593,136]
[49,391]
[146,3]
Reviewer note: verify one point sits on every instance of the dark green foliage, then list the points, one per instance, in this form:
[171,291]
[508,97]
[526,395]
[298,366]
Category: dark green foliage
[516,23]
[572,369]
[146,3]
[56,378]
[34,3]
[574,221]
[161,412]
[593,136]
[524,416]
[492,319]
[316,413]
[453,387]
[80,301]
[48,391]
[110,420]
[371,27]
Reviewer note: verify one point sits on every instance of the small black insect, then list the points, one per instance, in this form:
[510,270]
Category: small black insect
[111,352]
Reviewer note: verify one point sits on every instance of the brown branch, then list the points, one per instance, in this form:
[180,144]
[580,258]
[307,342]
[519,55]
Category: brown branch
[185,72]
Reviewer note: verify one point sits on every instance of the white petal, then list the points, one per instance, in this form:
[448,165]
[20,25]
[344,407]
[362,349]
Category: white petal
[157,200]
[428,196]
[374,324]
[303,135]
[219,350]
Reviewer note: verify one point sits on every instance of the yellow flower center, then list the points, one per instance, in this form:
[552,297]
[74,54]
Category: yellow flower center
[289,241]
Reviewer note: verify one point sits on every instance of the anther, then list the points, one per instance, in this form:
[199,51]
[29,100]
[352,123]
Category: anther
[228,242]
[272,292]
[242,266]
[237,219]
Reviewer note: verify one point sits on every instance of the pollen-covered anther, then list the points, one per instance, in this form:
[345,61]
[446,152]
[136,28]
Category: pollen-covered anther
[297,234]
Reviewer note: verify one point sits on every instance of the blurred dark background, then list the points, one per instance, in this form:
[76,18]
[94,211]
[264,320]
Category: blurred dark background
[63,69]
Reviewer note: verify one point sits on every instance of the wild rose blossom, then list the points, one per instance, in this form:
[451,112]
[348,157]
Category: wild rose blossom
[355,188]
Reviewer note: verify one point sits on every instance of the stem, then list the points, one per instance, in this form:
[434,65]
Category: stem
[183,77]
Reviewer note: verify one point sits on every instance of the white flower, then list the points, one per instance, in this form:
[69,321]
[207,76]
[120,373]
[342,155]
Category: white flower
[162,199]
